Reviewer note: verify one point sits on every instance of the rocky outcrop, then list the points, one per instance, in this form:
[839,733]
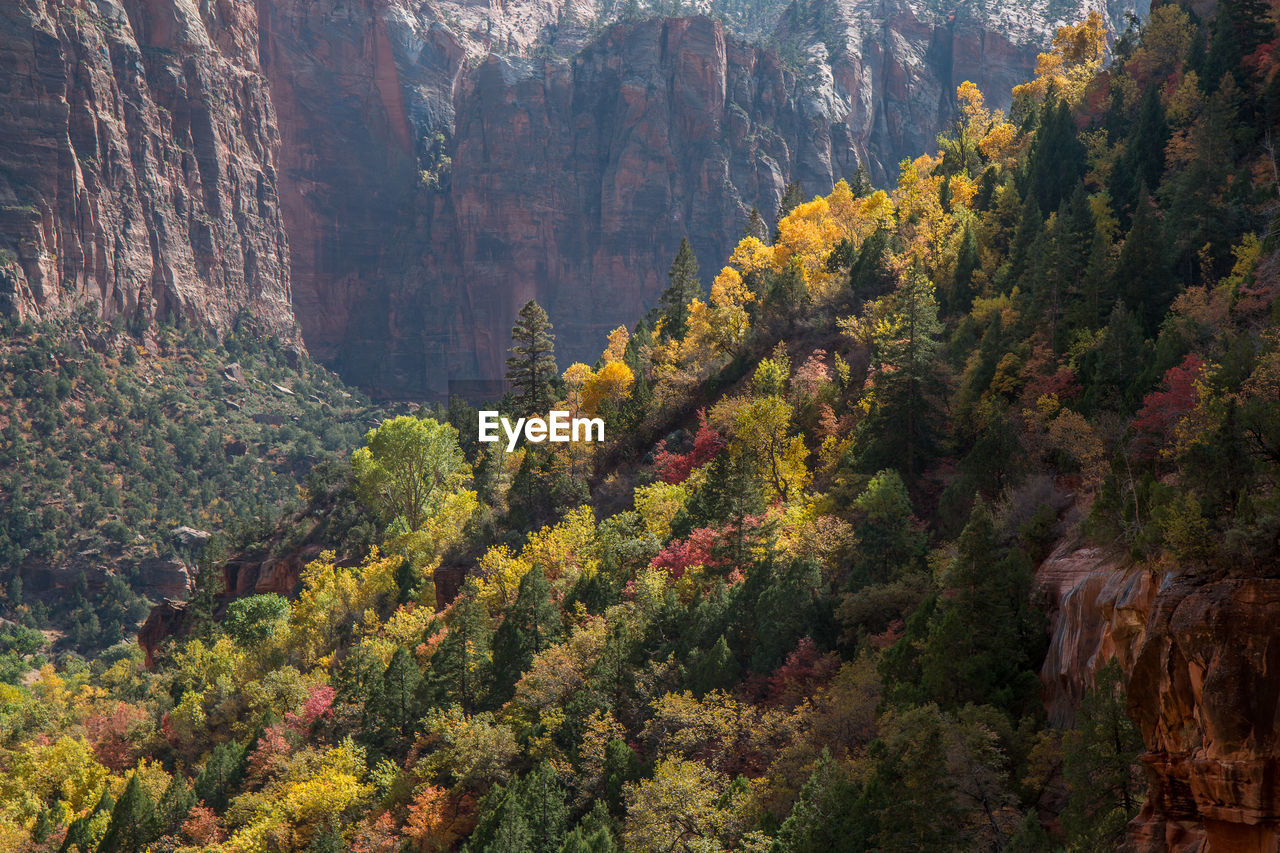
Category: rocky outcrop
[137,163]
[1205,693]
[1098,603]
[1202,655]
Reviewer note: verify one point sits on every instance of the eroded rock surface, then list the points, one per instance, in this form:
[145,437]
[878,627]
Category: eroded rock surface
[137,163]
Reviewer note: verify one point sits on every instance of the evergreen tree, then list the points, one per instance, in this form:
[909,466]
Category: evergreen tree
[1238,29]
[1142,275]
[175,804]
[531,369]
[961,296]
[529,627]
[861,183]
[890,541]
[460,667]
[1057,160]
[901,430]
[756,226]
[985,639]
[870,275]
[712,669]
[792,196]
[527,815]
[79,837]
[683,287]
[1100,763]
[1143,161]
[221,774]
[397,706]
[826,815]
[134,822]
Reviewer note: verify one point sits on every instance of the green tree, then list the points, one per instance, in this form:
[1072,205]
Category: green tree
[407,466]
[755,226]
[1100,764]
[397,705]
[826,816]
[986,637]
[961,296]
[901,430]
[461,665]
[792,196]
[1143,278]
[683,287]
[220,775]
[530,626]
[254,619]
[528,815]
[531,367]
[134,822]
[890,540]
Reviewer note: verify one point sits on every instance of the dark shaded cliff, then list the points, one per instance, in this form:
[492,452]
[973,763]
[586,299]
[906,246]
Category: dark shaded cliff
[406,175]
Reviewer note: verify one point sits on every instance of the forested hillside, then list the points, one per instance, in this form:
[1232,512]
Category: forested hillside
[790,603]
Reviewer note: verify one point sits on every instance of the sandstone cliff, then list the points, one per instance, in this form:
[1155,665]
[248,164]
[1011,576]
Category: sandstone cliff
[1201,654]
[406,174]
[438,171]
[137,163]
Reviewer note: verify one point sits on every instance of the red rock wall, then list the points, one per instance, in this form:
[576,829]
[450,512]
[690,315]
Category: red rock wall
[1203,656]
[138,163]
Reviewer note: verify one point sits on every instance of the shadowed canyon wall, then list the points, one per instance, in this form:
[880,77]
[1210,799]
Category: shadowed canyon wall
[403,175]
[1202,652]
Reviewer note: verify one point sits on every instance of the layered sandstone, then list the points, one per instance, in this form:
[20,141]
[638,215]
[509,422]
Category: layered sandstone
[1204,692]
[1202,655]
[404,174]
[572,174]
[137,163]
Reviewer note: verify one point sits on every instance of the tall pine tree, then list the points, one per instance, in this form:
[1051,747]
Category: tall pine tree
[531,369]
[673,305]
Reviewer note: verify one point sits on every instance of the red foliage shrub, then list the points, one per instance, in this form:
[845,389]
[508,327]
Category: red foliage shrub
[676,467]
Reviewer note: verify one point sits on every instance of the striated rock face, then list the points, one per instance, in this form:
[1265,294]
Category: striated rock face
[1098,606]
[404,174]
[1202,657]
[435,175]
[1204,692]
[137,163]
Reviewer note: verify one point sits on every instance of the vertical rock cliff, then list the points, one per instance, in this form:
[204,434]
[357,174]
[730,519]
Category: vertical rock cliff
[1202,654]
[400,176]
[137,163]
[441,168]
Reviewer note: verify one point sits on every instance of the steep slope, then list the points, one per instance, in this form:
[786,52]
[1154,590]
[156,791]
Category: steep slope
[138,163]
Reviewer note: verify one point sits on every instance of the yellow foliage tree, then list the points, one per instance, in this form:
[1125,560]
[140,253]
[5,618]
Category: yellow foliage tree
[1074,59]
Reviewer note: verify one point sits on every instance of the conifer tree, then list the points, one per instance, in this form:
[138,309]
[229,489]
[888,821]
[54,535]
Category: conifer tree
[134,823]
[530,626]
[901,430]
[397,700]
[1142,275]
[175,804]
[460,667]
[967,263]
[684,287]
[531,368]
[792,196]
[756,226]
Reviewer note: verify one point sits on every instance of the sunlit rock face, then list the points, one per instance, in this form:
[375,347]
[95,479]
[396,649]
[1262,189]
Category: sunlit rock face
[138,169]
